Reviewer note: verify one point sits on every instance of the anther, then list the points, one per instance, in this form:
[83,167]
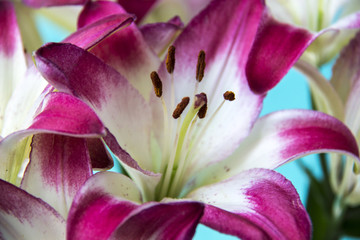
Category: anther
[200,67]
[180,107]
[170,59]
[229,95]
[202,112]
[156,83]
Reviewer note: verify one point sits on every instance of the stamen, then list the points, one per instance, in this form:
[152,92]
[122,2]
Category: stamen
[229,95]
[180,107]
[170,59]
[202,111]
[156,83]
[200,67]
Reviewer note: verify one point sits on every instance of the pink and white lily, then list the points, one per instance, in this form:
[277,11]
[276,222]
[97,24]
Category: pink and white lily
[64,135]
[335,21]
[212,168]
[25,94]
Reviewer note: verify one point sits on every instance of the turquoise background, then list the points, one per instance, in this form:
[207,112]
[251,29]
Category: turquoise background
[292,92]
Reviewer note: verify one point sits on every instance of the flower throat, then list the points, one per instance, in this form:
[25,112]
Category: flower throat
[175,158]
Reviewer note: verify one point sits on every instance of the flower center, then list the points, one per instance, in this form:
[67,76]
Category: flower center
[181,135]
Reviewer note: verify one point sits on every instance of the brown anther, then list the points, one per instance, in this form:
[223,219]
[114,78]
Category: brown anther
[200,100]
[200,67]
[180,107]
[170,59]
[156,83]
[202,112]
[229,95]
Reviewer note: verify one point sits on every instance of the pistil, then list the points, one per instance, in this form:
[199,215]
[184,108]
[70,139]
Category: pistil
[178,148]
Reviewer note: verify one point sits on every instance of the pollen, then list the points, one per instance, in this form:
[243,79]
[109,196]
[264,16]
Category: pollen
[180,107]
[202,112]
[229,95]
[170,59]
[156,83]
[200,67]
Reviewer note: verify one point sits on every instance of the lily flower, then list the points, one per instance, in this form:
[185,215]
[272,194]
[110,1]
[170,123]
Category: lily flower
[335,21]
[339,97]
[24,91]
[196,145]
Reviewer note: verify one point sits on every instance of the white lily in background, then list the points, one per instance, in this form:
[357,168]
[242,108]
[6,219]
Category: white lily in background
[218,161]
[330,18]
[341,100]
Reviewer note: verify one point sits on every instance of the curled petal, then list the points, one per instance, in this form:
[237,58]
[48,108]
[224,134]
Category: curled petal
[90,35]
[280,137]
[276,48]
[26,217]
[255,204]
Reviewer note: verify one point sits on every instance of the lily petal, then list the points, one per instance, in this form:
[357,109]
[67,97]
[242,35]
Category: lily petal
[138,7]
[255,204]
[172,220]
[23,102]
[60,114]
[26,217]
[49,3]
[325,96]
[278,54]
[345,79]
[90,35]
[114,200]
[100,158]
[159,35]
[335,37]
[58,166]
[274,52]
[226,51]
[102,203]
[280,137]
[110,95]
[126,50]
[12,58]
